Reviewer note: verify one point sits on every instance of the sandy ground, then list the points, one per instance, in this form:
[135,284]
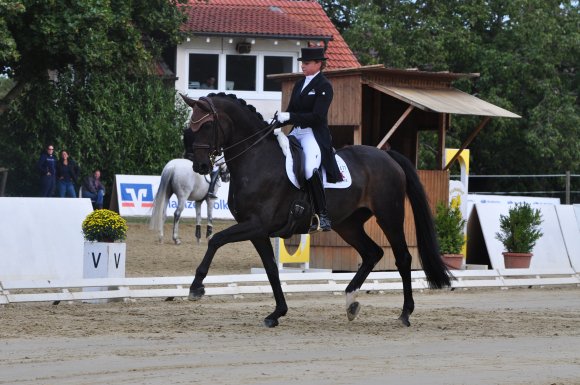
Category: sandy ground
[491,336]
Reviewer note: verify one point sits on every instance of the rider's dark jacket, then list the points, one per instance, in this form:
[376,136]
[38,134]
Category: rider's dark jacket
[309,108]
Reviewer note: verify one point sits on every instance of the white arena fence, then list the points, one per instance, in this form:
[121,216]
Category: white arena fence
[126,289]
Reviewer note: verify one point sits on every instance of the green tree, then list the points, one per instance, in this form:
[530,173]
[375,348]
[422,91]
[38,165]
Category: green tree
[85,82]
[526,52]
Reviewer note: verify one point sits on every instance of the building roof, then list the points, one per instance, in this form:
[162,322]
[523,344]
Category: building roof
[446,100]
[274,19]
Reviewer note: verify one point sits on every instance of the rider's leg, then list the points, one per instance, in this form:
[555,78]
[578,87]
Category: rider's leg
[317,191]
[312,160]
[212,183]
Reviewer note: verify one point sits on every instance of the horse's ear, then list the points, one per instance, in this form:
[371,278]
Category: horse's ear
[190,102]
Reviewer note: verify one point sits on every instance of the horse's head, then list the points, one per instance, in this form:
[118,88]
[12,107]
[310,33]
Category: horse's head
[205,141]
[221,122]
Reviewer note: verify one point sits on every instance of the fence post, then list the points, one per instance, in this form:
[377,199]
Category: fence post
[567,187]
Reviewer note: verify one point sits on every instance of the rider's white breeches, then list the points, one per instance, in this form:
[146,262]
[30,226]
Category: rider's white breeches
[312,156]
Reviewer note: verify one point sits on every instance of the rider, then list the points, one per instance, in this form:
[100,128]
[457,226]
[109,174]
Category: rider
[307,111]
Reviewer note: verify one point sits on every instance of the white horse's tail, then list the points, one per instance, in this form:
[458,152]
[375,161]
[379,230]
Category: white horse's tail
[159,213]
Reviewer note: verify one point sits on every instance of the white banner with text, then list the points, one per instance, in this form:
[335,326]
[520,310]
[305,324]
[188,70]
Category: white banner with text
[134,195]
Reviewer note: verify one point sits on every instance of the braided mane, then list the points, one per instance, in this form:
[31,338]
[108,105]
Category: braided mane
[241,102]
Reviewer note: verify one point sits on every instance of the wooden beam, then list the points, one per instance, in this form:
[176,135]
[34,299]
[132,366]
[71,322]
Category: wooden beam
[441,131]
[468,141]
[395,126]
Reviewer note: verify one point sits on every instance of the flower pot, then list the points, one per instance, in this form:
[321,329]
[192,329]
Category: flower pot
[517,260]
[453,261]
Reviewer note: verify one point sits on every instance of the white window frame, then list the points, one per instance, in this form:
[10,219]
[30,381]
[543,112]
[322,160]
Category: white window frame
[259,93]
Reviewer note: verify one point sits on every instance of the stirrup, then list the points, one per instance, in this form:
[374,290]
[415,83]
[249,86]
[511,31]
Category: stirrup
[319,225]
[211,195]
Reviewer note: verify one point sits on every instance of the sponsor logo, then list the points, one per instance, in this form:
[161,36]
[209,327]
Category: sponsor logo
[136,195]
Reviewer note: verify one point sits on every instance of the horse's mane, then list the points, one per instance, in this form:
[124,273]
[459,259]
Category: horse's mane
[241,102]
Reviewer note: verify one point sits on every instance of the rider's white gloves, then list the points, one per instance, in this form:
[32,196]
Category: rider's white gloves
[283,117]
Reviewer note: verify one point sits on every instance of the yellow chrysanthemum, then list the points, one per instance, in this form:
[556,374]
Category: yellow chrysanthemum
[104,226]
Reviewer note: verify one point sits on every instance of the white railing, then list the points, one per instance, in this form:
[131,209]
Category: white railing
[106,289]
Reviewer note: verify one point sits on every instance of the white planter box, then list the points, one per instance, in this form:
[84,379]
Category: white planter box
[104,260]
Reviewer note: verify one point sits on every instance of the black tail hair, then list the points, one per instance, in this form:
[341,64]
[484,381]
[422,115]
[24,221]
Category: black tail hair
[438,275]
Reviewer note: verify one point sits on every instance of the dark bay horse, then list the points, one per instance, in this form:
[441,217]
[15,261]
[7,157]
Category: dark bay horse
[265,203]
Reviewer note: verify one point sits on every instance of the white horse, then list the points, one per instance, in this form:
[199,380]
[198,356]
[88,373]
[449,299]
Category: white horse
[179,178]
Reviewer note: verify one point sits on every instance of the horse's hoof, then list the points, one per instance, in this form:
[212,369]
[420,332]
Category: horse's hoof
[198,240]
[352,310]
[196,294]
[178,241]
[404,318]
[270,323]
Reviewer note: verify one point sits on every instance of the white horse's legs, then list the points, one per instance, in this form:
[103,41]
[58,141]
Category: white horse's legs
[176,217]
[209,232]
[198,220]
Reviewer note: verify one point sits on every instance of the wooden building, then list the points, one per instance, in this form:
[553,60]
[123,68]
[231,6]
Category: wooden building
[383,107]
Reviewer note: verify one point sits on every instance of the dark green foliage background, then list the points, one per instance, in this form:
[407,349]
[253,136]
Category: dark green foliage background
[120,126]
[85,77]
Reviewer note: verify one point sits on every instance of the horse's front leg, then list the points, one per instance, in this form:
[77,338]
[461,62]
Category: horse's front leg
[266,252]
[198,220]
[236,233]
[209,230]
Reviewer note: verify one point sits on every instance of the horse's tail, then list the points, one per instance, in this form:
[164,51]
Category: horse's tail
[159,212]
[437,273]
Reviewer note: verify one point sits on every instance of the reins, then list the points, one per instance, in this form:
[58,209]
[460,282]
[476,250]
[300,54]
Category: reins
[217,128]
[267,131]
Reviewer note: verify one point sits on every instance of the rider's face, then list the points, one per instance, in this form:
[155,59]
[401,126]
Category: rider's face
[310,67]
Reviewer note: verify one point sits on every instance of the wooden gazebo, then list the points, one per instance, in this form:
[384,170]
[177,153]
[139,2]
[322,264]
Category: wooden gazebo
[383,107]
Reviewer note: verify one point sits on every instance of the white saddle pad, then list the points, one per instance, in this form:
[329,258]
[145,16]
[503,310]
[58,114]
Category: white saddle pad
[342,167]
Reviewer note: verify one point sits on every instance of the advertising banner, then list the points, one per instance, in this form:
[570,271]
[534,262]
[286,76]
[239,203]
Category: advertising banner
[133,195]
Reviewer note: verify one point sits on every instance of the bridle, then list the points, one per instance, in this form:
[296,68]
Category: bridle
[214,149]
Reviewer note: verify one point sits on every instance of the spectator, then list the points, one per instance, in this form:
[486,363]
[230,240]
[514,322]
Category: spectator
[67,172]
[94,189]
[209,84]
[46,166]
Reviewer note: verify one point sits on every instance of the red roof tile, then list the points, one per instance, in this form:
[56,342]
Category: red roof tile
[298,19]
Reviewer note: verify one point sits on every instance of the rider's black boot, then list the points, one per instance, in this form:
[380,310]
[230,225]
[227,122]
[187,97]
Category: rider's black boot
[213,180]
[317,192]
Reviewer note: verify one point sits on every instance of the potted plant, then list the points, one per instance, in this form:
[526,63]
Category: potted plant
[519,232]
[104,251]
[449,226]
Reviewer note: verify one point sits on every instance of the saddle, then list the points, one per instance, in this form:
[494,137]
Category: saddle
[292,150]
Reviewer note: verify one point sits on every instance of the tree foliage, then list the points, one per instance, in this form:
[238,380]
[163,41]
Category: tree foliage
[86,74]
[525,50]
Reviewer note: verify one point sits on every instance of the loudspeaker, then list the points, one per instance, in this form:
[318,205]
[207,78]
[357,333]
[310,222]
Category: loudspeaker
[243,47]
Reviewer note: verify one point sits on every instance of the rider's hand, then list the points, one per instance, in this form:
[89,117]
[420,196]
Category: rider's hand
[283,117]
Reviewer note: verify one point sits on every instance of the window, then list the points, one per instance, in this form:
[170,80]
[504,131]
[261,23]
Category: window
[241,72]
[202,68]
[275,65]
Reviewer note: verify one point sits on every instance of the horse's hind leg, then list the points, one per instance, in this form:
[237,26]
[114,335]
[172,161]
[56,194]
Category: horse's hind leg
[198,220]
[396,236]
[352,231]
[266,252]
[176,217]
[209,231]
